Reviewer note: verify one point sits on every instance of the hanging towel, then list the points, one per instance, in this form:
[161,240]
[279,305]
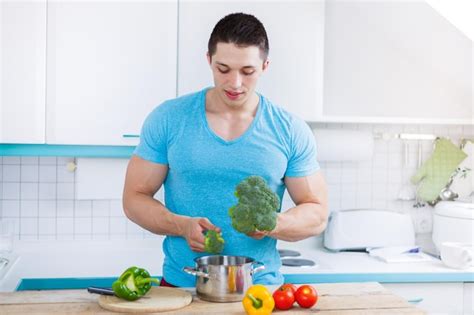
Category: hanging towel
[463,181]
[436,172]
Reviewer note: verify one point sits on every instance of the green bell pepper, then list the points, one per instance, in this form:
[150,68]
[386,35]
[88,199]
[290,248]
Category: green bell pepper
[133,284]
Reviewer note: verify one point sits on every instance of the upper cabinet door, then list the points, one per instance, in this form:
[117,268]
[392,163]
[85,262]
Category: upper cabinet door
[109,64]
[396,61]
[23,70]
[295,30]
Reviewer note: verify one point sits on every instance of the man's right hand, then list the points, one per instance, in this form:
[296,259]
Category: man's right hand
[192,229]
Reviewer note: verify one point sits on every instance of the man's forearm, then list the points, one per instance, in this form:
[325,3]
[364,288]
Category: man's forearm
[152,215]
[300,222]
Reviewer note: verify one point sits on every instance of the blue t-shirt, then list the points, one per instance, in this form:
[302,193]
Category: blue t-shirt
[204,170]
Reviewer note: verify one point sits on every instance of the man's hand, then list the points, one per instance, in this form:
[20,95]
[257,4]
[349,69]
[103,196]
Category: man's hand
[193,231]
[258,235]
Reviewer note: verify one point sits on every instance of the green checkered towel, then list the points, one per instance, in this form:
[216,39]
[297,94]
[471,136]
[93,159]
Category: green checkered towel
[436,172]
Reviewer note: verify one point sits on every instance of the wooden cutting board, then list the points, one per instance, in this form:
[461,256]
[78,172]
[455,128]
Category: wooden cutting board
[158,299]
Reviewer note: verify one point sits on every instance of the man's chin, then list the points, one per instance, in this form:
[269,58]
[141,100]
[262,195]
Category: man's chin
[234,104]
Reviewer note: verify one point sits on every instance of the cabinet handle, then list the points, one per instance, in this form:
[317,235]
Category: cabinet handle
[130,136]
[415,300]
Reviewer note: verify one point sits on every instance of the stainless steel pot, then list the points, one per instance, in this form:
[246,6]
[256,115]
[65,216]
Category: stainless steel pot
[223,278]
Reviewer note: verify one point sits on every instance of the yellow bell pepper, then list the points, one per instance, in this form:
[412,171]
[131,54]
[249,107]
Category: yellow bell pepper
[258,300]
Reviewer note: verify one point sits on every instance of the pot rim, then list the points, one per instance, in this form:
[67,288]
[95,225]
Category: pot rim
[251,260]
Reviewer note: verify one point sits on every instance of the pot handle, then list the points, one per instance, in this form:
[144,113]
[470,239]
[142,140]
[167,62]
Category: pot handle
[194,272]
[257,266]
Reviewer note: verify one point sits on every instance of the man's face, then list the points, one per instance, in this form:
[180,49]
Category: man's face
[236,71]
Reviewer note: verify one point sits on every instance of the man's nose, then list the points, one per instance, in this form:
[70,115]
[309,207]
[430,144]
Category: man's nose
[235,80]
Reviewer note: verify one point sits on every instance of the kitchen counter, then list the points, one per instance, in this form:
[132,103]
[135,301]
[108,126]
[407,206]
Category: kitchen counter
[91,259]
[359,266]
[340,298]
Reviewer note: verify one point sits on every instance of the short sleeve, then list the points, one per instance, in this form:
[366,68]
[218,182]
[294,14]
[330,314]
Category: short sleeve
[154,137]
[303,153]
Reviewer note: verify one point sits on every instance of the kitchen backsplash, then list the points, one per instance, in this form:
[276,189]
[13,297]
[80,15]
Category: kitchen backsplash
[38,192]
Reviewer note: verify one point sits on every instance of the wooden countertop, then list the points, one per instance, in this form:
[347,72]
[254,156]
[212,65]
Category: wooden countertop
[334,298]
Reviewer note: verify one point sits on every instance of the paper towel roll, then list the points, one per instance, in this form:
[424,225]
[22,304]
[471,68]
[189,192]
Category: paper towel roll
[100,178]
[103,178]
[344,145]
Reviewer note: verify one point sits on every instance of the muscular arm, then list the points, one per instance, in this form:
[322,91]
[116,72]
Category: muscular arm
[142,181]
[309,216]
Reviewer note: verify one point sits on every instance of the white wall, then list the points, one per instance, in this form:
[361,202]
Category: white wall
[395,59]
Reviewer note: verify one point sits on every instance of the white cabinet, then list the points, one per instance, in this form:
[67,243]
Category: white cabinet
[295,30]
[108,65]
[395,61]
[22,71]
[434,298]
[469,298]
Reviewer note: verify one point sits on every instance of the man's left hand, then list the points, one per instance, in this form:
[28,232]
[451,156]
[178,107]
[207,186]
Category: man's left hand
[258,235]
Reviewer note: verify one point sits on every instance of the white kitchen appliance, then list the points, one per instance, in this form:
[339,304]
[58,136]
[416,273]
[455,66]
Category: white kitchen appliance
[453,221]
[368,228]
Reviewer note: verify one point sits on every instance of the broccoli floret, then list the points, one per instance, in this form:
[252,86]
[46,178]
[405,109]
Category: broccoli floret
[213,242]
[257,206]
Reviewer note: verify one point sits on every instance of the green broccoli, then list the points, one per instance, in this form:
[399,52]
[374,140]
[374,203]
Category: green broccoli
[213,242]
[257,207]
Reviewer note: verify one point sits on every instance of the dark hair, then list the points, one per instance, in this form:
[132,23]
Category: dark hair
[240,29]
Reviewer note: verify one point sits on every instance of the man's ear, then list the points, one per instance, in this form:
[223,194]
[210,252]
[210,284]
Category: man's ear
[208,58]
[265,65]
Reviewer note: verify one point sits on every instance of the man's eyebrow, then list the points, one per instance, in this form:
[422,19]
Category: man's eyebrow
[244,67]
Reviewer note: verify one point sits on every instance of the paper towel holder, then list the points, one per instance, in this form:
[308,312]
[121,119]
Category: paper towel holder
[404,136]
[338,145]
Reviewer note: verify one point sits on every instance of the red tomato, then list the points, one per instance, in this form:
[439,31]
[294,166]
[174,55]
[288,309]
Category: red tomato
[306,296]
[284,298]
[289,286]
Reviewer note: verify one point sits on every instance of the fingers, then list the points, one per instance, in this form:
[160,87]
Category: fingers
[207,225]
[258,234]
[196,243]
[196,246]
[195,236]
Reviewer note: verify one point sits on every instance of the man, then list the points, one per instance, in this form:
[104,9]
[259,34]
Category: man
[203,144]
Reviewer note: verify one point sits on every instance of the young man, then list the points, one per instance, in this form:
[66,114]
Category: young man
[203,144]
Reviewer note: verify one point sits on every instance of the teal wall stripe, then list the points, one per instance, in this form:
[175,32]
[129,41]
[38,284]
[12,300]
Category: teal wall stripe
[380,277]
[65,283]
[66,150]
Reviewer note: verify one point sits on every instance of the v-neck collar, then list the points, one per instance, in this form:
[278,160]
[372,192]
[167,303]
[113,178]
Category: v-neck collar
[244,135]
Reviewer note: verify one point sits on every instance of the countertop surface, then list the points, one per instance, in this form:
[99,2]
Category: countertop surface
[76,259]
[334,298]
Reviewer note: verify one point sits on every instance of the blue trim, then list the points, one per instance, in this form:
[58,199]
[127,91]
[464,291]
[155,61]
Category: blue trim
[66,150]
[65,283]
[82,283]
[380,277]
